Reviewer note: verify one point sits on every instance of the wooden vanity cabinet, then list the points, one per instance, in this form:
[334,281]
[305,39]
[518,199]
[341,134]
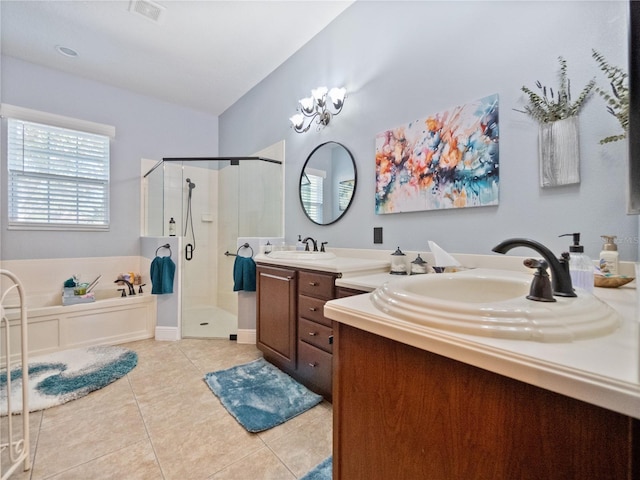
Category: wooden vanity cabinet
[315,331]
[292,331]
[404,413]
[276,297]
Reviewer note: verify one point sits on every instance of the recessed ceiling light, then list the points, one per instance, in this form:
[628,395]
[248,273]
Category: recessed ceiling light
[66,51]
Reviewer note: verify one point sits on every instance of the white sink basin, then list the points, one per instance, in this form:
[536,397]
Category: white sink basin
[302,255]
[493,303]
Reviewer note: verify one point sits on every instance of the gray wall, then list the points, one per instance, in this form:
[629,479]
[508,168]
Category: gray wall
[145,128]
[402,61]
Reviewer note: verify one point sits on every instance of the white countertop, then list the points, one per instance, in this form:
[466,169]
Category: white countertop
[603,371]
[347,266]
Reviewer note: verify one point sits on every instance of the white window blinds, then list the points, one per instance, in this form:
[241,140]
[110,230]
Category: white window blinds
[311,195]
[58,178]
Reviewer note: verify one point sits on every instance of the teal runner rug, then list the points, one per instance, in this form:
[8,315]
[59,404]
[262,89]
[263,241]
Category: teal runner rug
[259,395]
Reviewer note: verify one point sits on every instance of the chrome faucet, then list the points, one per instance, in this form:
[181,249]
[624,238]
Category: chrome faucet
[560,278]
[306,242]
[132,290]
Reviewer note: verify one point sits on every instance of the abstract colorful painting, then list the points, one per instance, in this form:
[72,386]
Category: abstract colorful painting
[447,160]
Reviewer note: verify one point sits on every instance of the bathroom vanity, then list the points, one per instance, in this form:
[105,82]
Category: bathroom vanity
[292,331]
[411,401]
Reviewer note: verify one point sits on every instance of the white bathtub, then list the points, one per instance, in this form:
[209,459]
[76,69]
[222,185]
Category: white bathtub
[109,320]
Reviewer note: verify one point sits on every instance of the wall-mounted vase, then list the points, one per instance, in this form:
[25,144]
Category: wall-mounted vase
[559,152]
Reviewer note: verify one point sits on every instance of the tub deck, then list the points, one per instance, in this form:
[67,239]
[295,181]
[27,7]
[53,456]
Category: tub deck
[110,320]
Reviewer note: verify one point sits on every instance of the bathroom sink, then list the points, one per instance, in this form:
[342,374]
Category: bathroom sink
[301,255]
[493,303]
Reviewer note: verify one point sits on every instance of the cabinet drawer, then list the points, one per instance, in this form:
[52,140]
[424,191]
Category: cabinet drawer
[315,334]
[316,285]
[314,368]
[312,309]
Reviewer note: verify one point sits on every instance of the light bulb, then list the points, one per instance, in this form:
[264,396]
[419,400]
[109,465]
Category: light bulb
[337,97]
[307,105]
[297,120]
[319,95]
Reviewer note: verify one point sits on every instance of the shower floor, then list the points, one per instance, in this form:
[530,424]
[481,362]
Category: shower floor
[207,321]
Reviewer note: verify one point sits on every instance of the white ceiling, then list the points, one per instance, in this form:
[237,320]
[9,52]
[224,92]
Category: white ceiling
[202,54]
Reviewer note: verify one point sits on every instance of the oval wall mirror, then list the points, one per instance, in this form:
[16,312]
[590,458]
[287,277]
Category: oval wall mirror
[327,183]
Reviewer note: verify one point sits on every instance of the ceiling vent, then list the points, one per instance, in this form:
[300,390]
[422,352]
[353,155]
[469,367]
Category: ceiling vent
[150,10]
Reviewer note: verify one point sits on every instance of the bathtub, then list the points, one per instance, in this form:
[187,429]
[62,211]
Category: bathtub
[109,320]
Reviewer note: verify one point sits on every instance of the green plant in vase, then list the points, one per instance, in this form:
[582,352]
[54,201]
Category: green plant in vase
[549,106]
[618,100]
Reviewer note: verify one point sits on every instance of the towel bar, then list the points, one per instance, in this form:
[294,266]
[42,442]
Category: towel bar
[166,245]
[246,245]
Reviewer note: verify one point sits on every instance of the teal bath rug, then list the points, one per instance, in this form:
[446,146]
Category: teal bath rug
[259,395]
[323,471]
[67,375]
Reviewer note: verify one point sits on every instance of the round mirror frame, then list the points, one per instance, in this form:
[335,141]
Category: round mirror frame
[355,182]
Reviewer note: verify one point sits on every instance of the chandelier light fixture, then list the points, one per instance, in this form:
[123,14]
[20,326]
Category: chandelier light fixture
[316,107]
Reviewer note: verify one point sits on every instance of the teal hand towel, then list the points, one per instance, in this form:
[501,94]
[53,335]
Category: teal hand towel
[244,274]
[162,272]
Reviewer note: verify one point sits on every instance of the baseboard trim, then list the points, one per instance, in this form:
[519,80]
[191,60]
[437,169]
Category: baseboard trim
[247,336]
[167,334]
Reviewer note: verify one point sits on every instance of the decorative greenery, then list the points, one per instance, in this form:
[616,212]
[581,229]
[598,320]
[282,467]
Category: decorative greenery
[549,106]
[618,101]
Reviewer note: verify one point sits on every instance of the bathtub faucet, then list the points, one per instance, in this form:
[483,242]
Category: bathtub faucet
[120,281]
[560,277]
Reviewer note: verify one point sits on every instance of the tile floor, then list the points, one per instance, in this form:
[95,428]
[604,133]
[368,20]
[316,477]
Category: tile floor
[162,422]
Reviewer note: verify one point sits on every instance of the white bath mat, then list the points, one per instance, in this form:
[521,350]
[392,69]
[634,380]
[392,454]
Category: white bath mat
[63,376]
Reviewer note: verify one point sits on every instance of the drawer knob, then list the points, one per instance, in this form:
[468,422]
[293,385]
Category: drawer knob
[313,334]
[313,364]
[313,309]
[313,284]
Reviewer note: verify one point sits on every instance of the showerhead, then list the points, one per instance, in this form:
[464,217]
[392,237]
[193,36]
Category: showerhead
[191,184]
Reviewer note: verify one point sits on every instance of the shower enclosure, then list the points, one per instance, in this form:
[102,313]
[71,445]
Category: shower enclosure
[212,201]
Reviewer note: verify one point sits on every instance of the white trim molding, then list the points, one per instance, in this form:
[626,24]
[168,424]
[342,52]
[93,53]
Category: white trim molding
[28,115]
[247,336]
[167,334]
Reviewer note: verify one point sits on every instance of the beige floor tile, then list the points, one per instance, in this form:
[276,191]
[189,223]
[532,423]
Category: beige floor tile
[134,462]
[262,465]
[162,421]
[167,375]
[114,396]
[61,447]
[319,411]
[206,365]
[200,449]
[304,447]
[170,408]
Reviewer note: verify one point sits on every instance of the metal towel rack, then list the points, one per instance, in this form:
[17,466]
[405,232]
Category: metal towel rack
[166,245]
[246,245]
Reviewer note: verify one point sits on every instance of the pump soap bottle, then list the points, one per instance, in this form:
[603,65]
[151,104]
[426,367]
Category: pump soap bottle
[609,256]
[580,265]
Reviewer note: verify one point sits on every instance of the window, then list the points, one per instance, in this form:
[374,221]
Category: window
[311,194]
[58,177]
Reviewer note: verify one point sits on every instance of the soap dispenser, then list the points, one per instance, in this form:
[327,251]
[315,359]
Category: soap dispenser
[609,255]
[299,243]
[580,265]
[172,227]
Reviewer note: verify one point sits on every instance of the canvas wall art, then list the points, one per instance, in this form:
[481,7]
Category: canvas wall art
[447,160]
